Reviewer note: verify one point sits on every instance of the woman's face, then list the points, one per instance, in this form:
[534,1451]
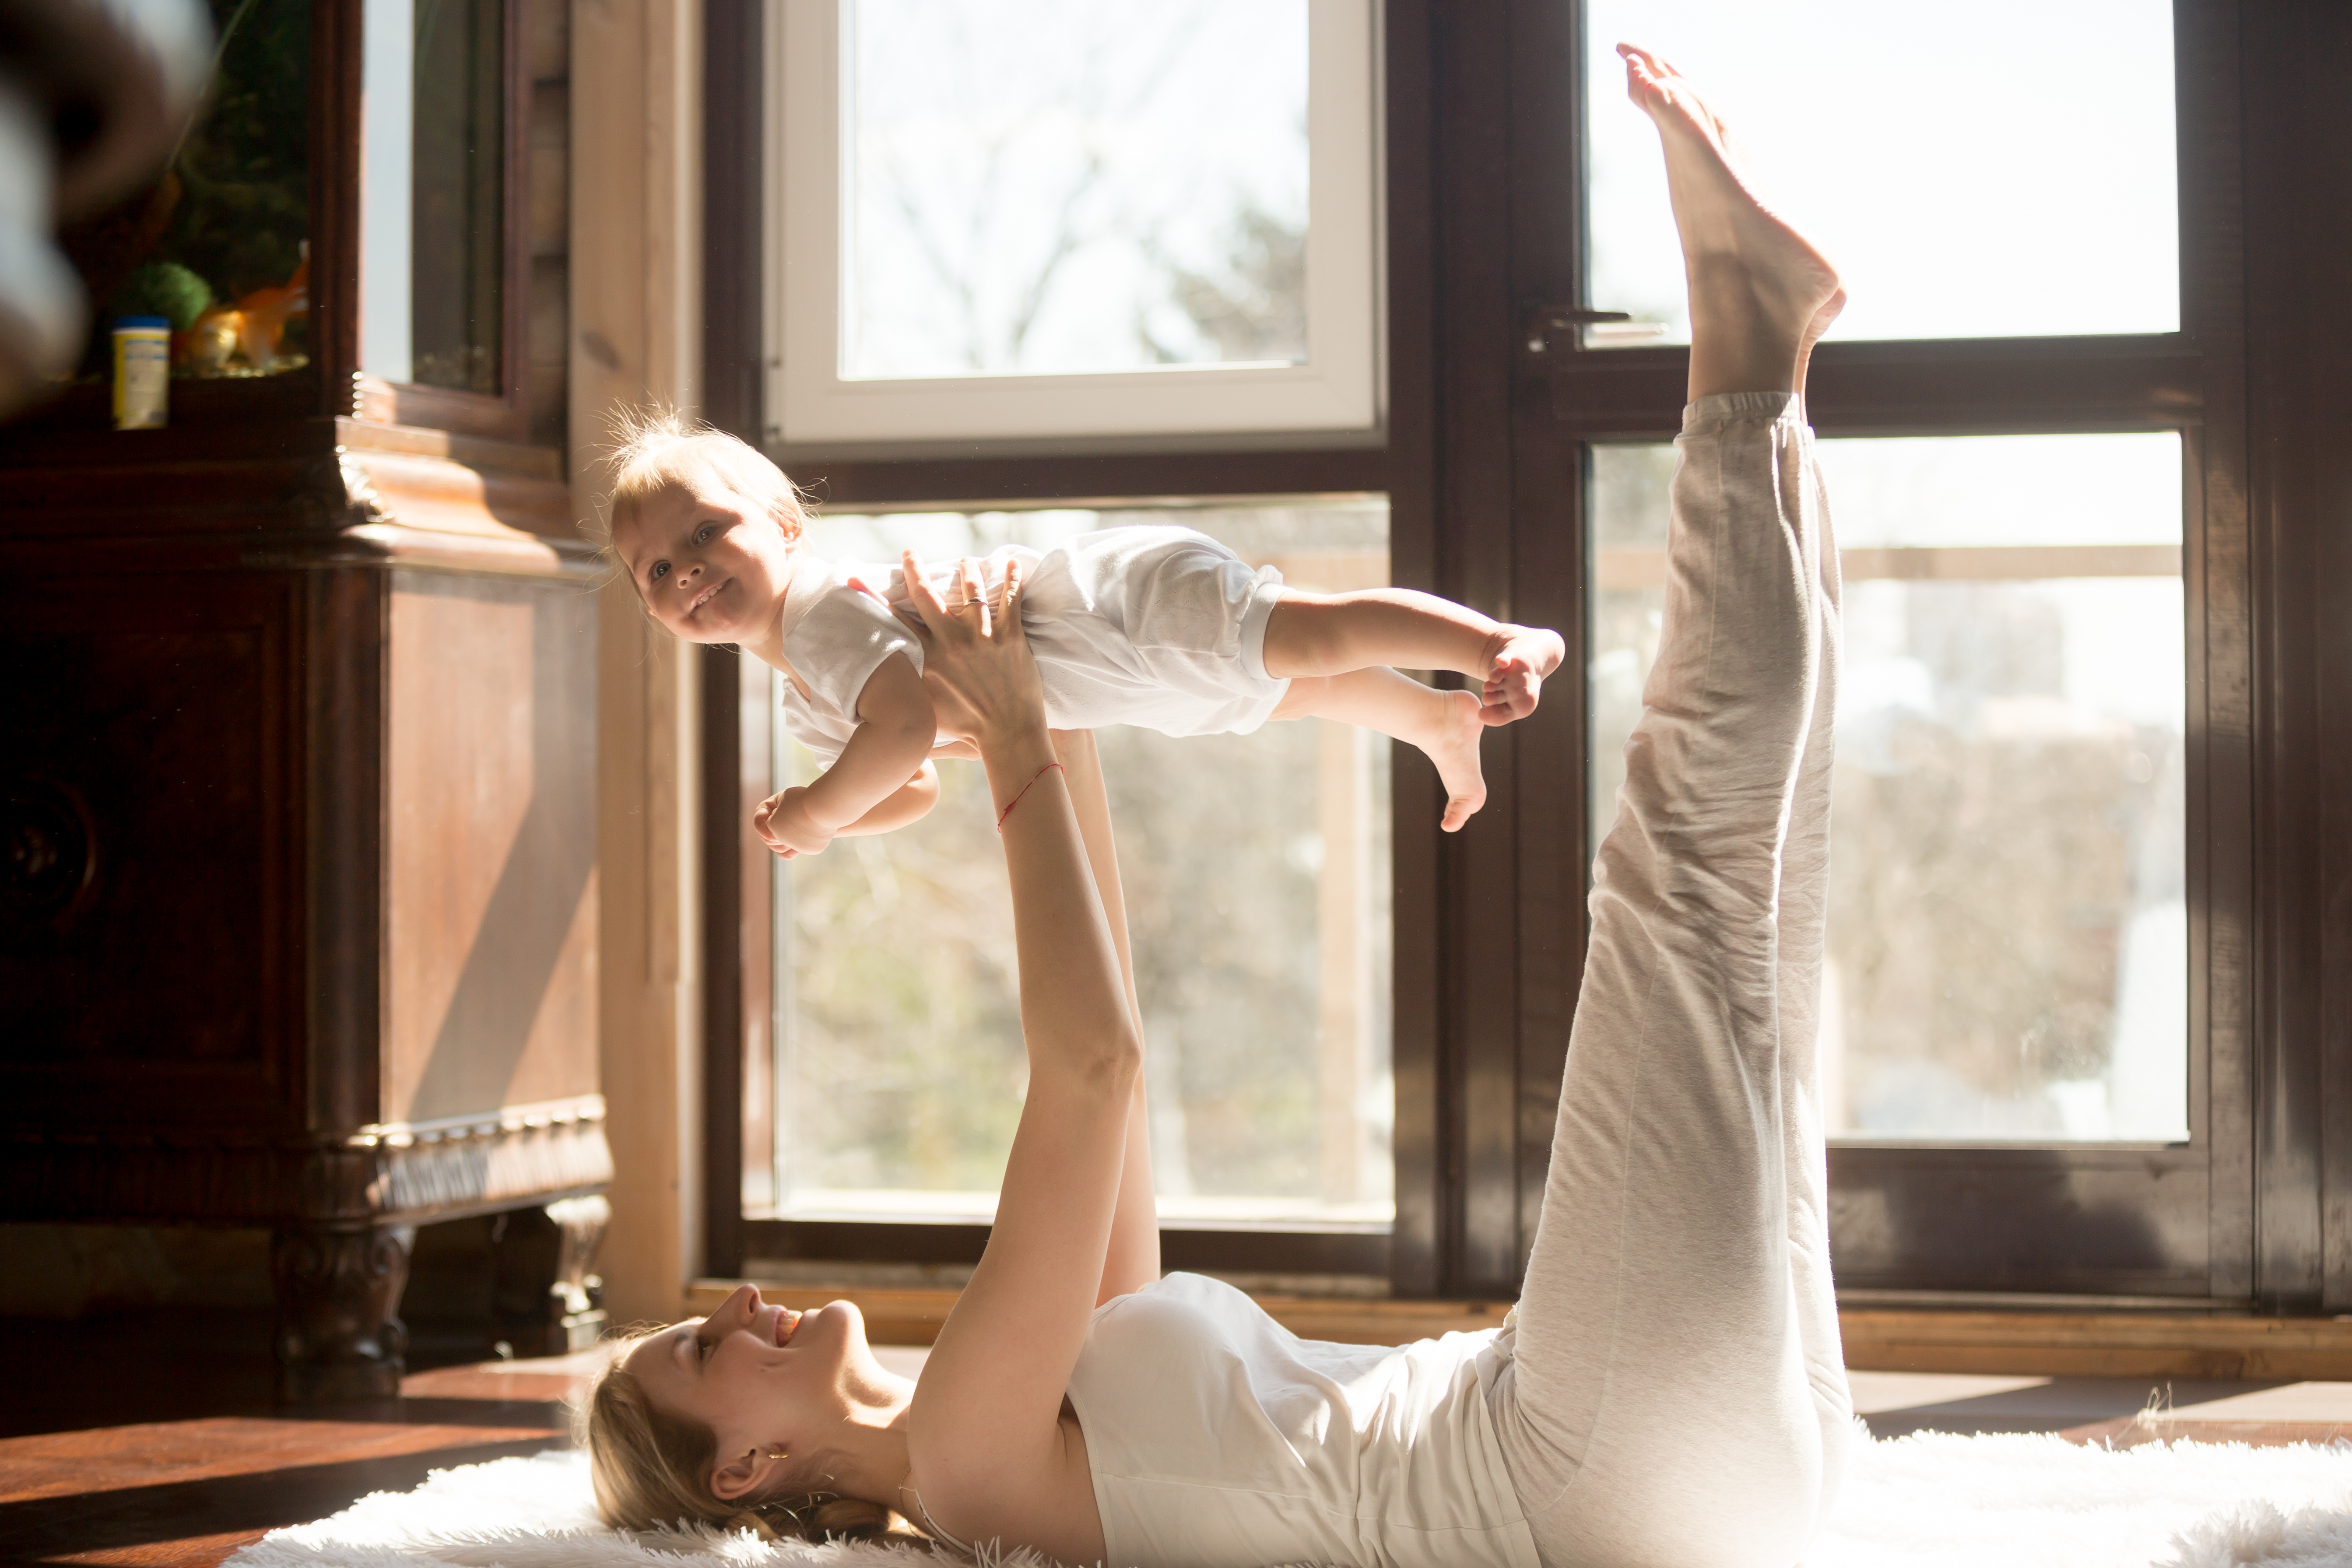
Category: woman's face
[760,1376]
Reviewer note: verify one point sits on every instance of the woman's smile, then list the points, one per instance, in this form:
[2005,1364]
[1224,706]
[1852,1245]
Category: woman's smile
[786,1324]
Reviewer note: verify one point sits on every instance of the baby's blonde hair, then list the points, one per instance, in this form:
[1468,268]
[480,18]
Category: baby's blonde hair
[656,448]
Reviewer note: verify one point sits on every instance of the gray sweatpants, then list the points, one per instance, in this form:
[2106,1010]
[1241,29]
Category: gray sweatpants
[1677,1394]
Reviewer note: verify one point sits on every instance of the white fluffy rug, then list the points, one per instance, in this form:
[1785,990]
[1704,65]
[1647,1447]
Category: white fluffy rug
[1929,1501]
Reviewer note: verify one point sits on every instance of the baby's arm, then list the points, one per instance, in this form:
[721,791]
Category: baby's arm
[910,801]
[880,780]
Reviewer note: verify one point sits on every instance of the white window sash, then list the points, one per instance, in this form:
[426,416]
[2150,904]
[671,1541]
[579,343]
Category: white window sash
[1336,393]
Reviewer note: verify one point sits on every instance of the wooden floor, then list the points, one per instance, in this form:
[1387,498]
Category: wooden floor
[155,1443]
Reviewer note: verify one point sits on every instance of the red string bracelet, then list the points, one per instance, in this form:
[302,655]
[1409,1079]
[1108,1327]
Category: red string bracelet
[1008,805]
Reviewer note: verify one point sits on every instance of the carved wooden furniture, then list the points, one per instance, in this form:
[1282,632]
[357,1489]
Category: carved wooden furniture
[298,878]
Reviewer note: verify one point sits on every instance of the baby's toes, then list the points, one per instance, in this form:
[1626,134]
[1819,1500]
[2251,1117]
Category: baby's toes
[1511,694]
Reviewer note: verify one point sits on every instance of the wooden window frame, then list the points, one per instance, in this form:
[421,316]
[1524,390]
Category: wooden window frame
[1330,396]
[1484,466]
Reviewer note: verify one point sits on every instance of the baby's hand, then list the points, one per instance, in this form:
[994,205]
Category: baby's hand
[783,824]
[1523,656]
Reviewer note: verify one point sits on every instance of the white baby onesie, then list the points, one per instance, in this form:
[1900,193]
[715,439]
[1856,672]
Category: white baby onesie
[1159,626]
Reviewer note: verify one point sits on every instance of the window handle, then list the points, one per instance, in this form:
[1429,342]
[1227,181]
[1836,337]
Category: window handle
[1542,320]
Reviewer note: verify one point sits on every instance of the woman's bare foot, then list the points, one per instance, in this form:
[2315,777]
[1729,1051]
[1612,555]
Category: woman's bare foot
[1760,294]
[1452,742]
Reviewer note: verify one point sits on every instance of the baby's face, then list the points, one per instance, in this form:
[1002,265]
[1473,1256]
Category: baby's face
[712,568]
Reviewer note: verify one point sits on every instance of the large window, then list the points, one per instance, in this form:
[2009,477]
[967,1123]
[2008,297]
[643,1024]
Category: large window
[2020,1053]
[2081,856]
[888,1066]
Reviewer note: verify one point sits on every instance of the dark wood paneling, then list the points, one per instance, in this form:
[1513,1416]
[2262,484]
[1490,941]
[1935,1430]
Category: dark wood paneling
[724,831]
[336,26]
[734,59]
[1547,554]
[1476,329]
[2219,640]
[340,846]
[490,841]
[1423,1226]
[733,129]
[149,731]
[2049,1221]
[2298,169]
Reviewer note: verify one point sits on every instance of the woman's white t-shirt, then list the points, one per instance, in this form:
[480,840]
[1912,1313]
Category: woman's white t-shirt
[1219,1439]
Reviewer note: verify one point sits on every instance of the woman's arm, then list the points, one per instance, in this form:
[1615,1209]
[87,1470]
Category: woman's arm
[1132,1259]
[991,1454]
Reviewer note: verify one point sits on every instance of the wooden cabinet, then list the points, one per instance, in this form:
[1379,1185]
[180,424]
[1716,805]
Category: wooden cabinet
[298,877]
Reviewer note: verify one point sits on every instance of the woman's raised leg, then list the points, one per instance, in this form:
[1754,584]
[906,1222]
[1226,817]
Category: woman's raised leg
[1675,1392]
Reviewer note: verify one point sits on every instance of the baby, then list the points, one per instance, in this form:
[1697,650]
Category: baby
[1159,626]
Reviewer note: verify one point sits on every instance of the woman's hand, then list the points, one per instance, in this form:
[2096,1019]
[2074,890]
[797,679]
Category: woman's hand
[977,665]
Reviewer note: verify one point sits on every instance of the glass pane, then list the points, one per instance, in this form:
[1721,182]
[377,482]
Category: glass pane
[2008,929]
[1042,186]
[1970,171]
[228,268]
[1256,869]
[460,193]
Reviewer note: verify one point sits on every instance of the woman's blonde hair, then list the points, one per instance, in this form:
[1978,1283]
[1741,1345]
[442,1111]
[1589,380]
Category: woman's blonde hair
[656,448]
[651,1470]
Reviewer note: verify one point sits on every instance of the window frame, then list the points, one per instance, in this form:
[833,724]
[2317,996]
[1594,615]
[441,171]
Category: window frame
[812,408]
[737,301]
[2118,1222]
[1483,464]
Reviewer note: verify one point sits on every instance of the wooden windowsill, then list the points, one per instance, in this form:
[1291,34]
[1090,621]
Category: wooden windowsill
[2058,1344]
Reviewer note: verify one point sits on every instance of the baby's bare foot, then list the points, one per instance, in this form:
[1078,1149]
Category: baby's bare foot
[1761,295]
[1452,745]
[1519,658]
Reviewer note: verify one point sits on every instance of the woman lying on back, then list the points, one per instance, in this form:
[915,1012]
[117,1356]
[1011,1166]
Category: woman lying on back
[1670,1388]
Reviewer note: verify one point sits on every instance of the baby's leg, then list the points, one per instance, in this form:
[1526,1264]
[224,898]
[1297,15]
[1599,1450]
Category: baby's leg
[1333,634]
[1446,724]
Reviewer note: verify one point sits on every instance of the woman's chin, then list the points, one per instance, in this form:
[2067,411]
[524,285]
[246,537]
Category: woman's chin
[851,1321]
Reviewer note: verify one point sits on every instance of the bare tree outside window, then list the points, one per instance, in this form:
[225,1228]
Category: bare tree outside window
[1046,186]
[2020,196]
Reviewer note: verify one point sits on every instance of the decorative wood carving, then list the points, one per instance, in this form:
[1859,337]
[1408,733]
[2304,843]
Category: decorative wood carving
[339,1334]
[544,1301]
